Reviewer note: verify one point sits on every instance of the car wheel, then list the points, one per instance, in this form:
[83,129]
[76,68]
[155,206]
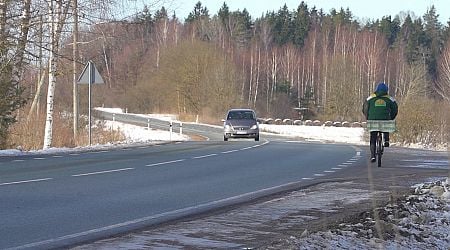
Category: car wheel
[257,138]
[225,138]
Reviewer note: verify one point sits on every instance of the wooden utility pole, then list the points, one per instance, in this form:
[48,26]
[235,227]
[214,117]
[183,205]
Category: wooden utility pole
[75,77]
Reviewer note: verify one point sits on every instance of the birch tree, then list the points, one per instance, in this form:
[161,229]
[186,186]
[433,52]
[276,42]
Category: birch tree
[57,13]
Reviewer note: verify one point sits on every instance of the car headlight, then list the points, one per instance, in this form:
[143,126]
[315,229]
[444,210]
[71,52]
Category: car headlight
[227,127]
[254,126]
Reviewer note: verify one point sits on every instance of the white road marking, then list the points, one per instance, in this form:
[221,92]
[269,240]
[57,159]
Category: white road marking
[149,219]
[347,163]
[319,175]
[254,146]
[103,172]
[307,178]
[329,171]
[26,181]
[336,168]
[203,156]
[57,156]
[341,165]
[242,149]
[163,163]
[74,154]
[231,151]
[39,158]
[18,160]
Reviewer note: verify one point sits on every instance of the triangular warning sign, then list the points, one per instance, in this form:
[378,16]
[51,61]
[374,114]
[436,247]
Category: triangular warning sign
[90,75]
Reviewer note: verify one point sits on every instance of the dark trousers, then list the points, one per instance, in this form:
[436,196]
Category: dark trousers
[373,141]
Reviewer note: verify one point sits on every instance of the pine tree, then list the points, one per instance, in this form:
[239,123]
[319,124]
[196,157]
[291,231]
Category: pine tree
[10,97]
[161,14]
[411,34]
[282,26]
[432,40]
[446,32]
[224,15]
[199,13]
[301,24]
[390,28]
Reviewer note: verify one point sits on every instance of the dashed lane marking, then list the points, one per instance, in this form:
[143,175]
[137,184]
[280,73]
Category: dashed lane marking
[164,163]
[25,181]
[231,151]
[103,172]
[203,156]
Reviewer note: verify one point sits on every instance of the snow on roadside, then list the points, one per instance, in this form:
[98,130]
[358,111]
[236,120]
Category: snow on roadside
[420,221]
[335,134]
[135,133]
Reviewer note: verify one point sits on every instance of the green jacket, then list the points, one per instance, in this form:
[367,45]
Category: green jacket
[380,106]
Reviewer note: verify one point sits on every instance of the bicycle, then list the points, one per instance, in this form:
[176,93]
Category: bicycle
[380,126]
[379,147]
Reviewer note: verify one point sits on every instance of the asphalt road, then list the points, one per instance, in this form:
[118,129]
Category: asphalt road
[59,200]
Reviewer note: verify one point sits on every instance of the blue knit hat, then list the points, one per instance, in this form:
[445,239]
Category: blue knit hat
[382,88]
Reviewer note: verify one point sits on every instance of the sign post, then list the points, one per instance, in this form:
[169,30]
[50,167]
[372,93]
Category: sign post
[90,76]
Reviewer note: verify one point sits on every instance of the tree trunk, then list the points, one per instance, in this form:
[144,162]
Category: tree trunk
[257,77]
[74,65]
[53,18]
[56,16]
[37,95]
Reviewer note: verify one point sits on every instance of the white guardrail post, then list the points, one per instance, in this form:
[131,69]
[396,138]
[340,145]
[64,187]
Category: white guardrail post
[113,122]
[148,124]
[170,130]
[181,128]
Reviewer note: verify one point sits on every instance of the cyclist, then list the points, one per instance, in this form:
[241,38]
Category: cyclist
[379,106]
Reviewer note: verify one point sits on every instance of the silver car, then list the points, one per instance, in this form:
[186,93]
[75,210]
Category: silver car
[240,123]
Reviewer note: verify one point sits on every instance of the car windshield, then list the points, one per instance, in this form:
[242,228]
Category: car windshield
[240,115]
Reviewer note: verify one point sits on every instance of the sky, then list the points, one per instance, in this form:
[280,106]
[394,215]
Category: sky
[361,9]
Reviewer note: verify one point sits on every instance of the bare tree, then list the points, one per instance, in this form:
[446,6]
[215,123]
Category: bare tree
[57,14]
[443,85]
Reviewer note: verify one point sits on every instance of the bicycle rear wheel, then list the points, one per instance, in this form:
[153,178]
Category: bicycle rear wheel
[379,148]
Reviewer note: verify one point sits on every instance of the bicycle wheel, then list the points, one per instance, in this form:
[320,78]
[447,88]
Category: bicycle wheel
[379,148]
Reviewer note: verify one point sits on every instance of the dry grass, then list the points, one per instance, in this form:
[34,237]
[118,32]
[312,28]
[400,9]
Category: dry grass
[423,121]
[28,134]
